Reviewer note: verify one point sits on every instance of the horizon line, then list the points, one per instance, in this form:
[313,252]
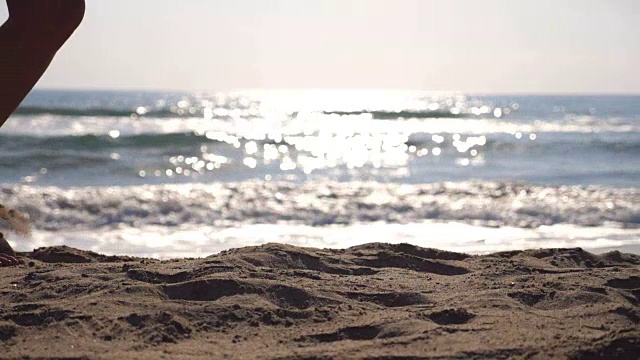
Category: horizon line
[257,90]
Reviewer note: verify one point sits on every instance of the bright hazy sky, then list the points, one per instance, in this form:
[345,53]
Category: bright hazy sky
[497,46]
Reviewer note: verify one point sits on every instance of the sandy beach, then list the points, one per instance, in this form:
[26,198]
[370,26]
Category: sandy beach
[376,301]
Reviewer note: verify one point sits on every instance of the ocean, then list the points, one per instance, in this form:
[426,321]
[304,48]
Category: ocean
[174,174]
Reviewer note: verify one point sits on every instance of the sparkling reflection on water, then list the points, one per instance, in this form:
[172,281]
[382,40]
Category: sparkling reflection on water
[98,138]
[306,132]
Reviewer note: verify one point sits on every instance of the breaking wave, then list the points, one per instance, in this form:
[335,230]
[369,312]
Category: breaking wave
[322,204]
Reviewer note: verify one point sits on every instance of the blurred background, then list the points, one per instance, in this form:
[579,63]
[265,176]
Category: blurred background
[174,128]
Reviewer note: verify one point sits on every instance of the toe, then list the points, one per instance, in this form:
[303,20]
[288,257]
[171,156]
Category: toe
[5,261]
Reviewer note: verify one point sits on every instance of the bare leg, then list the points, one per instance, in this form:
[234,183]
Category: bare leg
[34,32]
[29,39]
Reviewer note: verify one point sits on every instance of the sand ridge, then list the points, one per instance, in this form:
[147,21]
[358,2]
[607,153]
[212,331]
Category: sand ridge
[375,301]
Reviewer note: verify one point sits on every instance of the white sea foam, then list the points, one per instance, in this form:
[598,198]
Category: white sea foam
[200,219]
[204,240]
[321,204]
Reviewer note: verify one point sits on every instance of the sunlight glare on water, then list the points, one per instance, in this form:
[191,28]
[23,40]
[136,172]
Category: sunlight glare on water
[190,174]
[316,130]
[378,135]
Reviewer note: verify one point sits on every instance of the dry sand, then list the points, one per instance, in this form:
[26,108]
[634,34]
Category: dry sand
[376,301]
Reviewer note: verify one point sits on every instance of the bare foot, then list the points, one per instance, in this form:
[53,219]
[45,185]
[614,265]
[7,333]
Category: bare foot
[6,260]
[7,255]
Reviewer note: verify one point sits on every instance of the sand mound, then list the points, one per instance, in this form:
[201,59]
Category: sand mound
[376,301]
[65,254]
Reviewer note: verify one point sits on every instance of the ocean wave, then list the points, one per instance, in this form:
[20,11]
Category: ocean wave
[161,113]
[405,114]
[90,112]
[187,113]
[324,204]
[28,144]
[255,128]
[97,142]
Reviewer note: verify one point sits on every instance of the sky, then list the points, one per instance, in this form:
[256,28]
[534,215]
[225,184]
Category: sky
[488,46]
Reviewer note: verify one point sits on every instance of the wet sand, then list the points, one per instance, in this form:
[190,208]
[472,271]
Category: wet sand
[376,301]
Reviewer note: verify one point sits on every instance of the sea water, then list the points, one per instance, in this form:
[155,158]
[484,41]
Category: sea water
[191,174]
